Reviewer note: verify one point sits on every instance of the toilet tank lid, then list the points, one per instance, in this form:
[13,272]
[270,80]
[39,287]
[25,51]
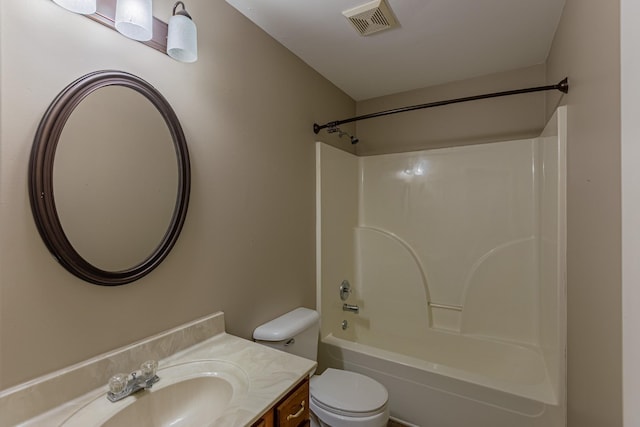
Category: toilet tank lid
[286,326]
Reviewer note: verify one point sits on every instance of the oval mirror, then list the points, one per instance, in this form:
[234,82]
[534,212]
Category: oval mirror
[109,178]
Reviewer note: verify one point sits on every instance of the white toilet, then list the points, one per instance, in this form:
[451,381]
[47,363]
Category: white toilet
[338,398]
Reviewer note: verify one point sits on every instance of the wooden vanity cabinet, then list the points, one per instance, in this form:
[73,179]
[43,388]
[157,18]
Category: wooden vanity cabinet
[291,411]
[265,421]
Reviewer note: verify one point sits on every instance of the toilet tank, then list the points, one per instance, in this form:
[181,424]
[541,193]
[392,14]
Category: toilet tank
[295,332]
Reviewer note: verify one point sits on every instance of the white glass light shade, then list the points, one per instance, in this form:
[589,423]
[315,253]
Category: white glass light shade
[86,7]
[134,19]
[182,39]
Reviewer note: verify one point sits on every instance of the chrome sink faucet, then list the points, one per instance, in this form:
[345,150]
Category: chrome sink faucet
[123,385]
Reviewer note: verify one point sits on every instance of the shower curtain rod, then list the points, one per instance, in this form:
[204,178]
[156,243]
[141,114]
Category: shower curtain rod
[562,86]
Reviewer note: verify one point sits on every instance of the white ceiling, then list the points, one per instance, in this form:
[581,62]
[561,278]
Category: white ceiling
[438,41]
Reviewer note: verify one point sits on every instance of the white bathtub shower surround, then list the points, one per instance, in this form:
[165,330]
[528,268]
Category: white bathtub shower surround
[456,259]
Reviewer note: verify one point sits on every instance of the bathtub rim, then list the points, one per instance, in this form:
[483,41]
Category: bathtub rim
[549,397]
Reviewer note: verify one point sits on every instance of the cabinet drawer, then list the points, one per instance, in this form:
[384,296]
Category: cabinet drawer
[294,410]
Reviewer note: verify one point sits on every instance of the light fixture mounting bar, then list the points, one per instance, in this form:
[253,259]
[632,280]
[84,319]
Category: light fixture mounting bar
[106,15]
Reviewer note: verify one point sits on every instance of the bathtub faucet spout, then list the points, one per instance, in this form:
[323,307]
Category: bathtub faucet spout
[351,307]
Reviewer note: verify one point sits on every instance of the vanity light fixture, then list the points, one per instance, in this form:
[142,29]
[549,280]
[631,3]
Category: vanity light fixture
[182,38]
[134,19]
[85,7]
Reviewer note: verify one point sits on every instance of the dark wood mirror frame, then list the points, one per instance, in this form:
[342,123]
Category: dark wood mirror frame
[41,194]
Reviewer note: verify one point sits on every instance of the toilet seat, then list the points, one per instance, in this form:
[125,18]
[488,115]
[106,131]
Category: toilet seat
[348,393]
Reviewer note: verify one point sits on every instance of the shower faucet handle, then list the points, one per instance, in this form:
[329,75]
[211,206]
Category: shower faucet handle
[345,290]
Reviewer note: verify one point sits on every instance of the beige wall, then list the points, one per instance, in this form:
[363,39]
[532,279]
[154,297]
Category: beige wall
[630,156]
[247,247]
[587,49]
[490,120]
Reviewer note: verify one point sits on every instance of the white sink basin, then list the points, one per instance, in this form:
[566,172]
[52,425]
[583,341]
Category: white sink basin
[188,394]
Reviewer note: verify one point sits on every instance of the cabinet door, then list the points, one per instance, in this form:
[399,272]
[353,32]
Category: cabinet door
[294,410]
[265,421]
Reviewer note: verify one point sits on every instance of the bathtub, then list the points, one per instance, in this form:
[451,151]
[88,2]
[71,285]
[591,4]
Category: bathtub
[456,260]
[503,385]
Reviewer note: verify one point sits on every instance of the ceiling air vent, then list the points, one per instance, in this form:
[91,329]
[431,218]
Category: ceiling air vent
[371,17]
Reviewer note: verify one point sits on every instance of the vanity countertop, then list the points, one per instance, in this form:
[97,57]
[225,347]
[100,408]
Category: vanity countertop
[270,374]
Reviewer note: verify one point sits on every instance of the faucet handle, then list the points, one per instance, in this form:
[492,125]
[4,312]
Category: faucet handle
[345,290]
[118,383]
[148,369]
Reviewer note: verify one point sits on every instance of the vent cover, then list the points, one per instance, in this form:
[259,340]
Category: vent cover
[371,17]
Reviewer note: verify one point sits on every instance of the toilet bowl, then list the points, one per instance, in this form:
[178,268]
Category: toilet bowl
[337,398]
[347,399]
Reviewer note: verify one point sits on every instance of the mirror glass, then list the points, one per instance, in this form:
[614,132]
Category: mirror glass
[109,178]
[115,178]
